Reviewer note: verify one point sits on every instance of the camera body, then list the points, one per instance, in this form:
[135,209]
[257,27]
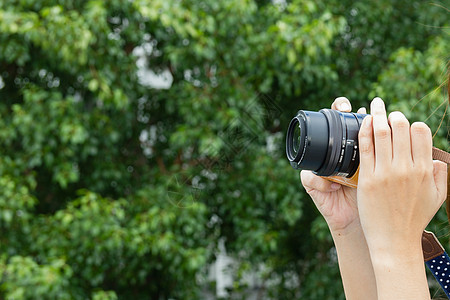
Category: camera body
[325,142]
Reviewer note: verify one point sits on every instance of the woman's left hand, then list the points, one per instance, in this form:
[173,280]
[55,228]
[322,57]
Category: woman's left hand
[400,187]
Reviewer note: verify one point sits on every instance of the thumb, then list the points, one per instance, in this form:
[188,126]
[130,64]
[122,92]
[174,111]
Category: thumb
[313,182]
[440,179]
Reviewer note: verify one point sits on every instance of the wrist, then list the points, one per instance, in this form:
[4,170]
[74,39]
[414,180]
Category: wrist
[352,229]
[400,274]
[396,253]
[351,241]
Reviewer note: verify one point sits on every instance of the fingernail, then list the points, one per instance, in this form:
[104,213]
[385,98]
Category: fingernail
[344,106]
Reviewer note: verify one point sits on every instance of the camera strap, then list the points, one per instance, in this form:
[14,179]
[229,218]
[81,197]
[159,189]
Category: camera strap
[437,260]
[434,255]
[441,155]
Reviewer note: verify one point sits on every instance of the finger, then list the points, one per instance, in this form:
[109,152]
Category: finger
[341,104]
[362,110]
[313,182]
[381,133]
[401,140]
[421,145]
[366,147]
[440,178]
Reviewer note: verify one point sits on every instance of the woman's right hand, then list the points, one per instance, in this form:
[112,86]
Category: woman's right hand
[336,202]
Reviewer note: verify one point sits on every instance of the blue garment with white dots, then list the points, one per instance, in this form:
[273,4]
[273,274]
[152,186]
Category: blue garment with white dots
[440,267]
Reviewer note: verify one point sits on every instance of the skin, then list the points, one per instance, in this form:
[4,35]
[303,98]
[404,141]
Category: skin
[338,205]
[377,227]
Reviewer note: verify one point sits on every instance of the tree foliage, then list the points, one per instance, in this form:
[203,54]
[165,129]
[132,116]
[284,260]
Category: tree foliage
[111,188]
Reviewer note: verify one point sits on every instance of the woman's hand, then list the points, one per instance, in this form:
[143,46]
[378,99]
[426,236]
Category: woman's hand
[337,203]
[400,187]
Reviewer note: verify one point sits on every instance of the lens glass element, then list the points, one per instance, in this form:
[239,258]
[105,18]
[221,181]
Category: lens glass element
[296,139]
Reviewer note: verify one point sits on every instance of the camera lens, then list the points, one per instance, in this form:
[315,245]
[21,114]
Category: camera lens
[325,142]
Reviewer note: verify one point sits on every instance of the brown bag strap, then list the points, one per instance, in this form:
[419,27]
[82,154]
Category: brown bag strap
[430,246]
[441,155]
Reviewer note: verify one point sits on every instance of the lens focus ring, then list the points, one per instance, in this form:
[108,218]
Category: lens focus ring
[325,142]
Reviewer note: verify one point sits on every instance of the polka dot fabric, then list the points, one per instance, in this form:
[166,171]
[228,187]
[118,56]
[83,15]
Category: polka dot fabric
[440,268]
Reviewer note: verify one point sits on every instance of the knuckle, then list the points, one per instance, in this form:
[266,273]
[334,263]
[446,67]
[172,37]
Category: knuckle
[423,168]
[382,179]
[365,141]
[382,133]
[374,182]
[364,134]
[367,185]
[429,170]
[402,173]
[364,147]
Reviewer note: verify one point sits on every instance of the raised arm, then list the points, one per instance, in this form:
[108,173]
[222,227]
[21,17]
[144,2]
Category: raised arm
[338,205]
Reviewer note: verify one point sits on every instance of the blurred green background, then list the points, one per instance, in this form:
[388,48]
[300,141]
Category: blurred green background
[142,142]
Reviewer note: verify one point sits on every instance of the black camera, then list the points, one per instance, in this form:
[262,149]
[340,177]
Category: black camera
[325,142]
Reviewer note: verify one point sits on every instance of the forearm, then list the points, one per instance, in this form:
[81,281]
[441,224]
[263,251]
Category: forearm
[355,265]
[400,274]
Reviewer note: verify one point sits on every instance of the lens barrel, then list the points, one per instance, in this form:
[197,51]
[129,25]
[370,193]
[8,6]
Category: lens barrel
[325,142]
